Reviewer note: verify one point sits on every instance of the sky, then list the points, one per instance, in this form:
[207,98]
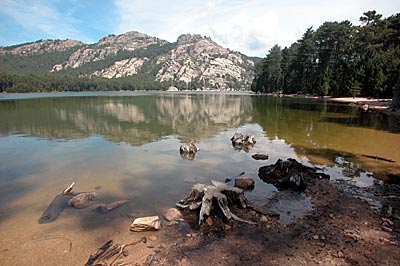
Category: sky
[251,27]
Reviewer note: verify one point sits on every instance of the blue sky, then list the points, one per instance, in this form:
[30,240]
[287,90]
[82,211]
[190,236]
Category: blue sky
[249,26]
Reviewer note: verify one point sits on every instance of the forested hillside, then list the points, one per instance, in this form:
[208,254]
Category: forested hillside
[337,59]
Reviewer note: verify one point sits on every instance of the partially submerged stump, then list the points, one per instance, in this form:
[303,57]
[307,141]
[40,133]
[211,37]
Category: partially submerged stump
[216,197]
[243,142]
[288,174]
[188,150]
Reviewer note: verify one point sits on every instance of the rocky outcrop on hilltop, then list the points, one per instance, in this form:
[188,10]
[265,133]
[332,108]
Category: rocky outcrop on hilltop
[41,47]
[109,46]
[200,62]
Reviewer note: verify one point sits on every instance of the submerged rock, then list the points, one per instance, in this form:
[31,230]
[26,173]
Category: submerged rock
[82,199]
[246,183]
[260,156]
[105,208]
[150,223]
[288,174]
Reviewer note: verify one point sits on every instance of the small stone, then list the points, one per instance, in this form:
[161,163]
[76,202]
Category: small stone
[152,238]
[260,156]
[316,237]
[172,214]
[246,183]
[184,262]
[228,227]
[209,221]
[149,223]
[263,219]
[340,254]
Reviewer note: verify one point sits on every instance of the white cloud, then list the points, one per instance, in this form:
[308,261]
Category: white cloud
[251,27]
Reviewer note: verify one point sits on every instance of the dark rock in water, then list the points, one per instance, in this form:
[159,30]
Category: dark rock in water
[188,150]
[260,156]
[243,142]
[288,174]
[246,183]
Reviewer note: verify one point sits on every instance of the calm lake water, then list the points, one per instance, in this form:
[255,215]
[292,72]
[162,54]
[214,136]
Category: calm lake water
[126,146]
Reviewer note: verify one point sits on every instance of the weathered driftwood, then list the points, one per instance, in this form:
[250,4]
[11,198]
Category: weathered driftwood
[105,208]
[245,142]
[99,252]
[57,205]
[151,223]
[288,174]
[108,251]
[188,150]
[216,196]
[82,199]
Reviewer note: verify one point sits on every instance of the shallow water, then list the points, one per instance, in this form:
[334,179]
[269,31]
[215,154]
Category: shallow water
[126,146]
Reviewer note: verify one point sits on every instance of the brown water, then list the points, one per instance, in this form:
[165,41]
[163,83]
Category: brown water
[126,146]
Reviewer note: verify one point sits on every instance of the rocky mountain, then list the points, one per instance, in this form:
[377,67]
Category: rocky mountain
[192,62]
[41,47]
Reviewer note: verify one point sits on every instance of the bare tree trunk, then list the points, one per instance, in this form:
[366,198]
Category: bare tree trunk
[396,94]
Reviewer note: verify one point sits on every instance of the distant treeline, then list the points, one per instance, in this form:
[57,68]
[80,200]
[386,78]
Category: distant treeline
[28,82]
[337,59]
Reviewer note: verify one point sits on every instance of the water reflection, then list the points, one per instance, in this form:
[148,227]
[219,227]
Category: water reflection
[135,120]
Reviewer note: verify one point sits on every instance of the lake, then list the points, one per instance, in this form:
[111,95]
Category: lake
[125,145]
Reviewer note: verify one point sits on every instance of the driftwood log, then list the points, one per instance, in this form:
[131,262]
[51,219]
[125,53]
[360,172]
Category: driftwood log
[216,197]
[288,174]
[60,201]
[57,205]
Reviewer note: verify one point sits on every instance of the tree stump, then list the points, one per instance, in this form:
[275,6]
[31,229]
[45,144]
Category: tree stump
[216,197]
[243,142]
